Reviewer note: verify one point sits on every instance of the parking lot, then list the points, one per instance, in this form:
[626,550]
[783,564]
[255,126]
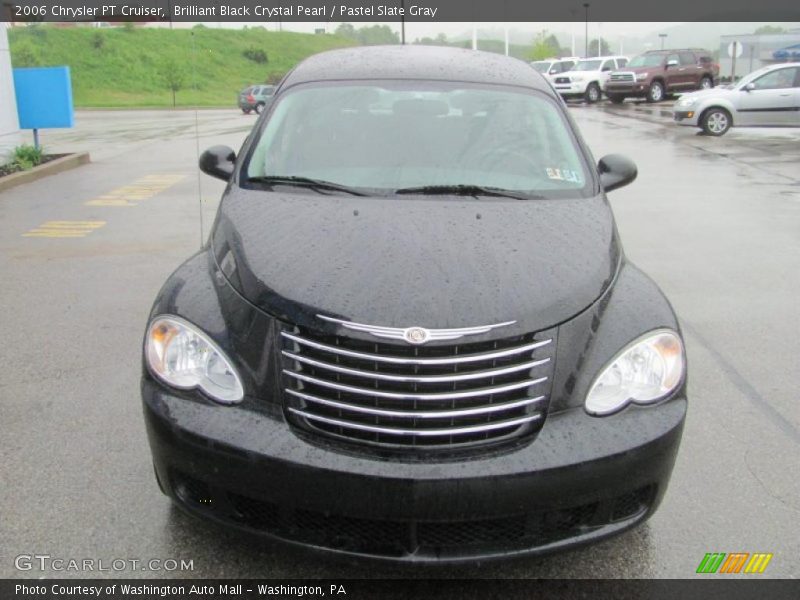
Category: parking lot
[715,221]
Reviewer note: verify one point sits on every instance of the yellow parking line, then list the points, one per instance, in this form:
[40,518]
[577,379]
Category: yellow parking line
[64,229]
[142,189]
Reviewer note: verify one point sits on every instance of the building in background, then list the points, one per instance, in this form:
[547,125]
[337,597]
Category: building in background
[9,125]
[756,51]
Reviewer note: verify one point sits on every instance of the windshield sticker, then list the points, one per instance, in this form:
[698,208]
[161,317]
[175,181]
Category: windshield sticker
[563,175]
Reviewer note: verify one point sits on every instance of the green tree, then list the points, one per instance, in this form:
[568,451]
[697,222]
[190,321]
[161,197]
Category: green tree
[604,48]
[377,35]
[346,30]
[544,46]
[766,29]
[174,77]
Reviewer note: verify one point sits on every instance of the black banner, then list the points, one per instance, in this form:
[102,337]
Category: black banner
[712,588]
[395,10]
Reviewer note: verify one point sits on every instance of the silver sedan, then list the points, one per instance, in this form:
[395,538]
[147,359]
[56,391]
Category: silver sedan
[768,97]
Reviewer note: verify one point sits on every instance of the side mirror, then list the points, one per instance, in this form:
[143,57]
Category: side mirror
[672,63]
[218,162]
[616,171]
[749,87]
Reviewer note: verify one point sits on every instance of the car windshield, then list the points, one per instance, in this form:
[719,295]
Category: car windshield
[542,67]
[587,65]
[646,60]
[385,137]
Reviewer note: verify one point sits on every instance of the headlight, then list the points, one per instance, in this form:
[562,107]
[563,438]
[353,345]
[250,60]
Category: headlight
[687,101]
[576,77]
[641,76]
[645,371]
[182,356]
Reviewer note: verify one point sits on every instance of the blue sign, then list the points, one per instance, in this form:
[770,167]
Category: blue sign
[44,97]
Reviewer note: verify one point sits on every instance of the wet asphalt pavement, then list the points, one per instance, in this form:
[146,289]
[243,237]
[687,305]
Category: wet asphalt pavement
[715,221]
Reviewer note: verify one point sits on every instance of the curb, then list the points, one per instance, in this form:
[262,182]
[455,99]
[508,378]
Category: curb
[58,165]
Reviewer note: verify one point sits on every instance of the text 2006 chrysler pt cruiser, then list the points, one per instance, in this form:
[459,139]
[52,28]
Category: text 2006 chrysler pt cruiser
[413,334]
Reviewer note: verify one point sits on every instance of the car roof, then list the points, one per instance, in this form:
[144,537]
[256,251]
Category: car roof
[783,64]
[673,50]
[417,62]
[602,57]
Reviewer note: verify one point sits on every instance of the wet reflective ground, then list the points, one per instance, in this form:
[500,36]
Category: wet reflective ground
[715,221]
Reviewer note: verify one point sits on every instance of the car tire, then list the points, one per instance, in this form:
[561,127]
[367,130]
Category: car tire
[246,111]
[616,98]
[706,83]
[593,93]
[716,121]
[656,92]
[259,106]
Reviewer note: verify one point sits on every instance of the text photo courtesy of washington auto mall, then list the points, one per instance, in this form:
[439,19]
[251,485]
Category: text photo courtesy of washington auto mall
[410,299]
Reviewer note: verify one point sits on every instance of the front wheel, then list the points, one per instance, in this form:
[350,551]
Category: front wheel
[616,98]
[259,106]
[706,83]
[716,121]
[656,92]
[592,94]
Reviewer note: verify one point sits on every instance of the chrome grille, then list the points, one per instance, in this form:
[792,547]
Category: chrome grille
[562,80]
[403,397]
[621,77]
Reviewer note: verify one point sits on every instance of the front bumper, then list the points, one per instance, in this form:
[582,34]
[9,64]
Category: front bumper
[629,90]
[581,480]
[686,117]
[571,90]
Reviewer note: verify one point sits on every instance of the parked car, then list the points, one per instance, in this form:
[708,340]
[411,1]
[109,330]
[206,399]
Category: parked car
[657,73]
[554,66]
[255,97]
[768,97]
[588,77]
[413,333]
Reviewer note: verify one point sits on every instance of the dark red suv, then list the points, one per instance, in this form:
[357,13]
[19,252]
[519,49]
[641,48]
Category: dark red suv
[655,74]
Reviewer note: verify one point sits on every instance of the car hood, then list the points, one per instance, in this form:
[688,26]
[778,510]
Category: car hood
[433,262]
[580,72]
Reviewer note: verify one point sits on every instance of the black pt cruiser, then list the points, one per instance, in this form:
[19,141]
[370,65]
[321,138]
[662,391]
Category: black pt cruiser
[413,334]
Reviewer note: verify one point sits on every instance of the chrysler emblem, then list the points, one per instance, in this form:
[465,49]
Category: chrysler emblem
[416,335]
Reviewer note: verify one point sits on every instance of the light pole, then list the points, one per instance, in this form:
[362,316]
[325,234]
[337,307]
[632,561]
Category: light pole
[663,36]
[403,22]
[586,30]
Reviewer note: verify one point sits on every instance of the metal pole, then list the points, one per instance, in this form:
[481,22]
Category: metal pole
[474,37]
[733,62]
[36,139]
[586,30]
[403,22]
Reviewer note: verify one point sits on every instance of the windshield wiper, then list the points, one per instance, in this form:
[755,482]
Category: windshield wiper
[463,190]
[317,185]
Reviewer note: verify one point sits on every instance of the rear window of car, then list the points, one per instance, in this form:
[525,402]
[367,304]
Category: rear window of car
[687,58]
[383,136]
